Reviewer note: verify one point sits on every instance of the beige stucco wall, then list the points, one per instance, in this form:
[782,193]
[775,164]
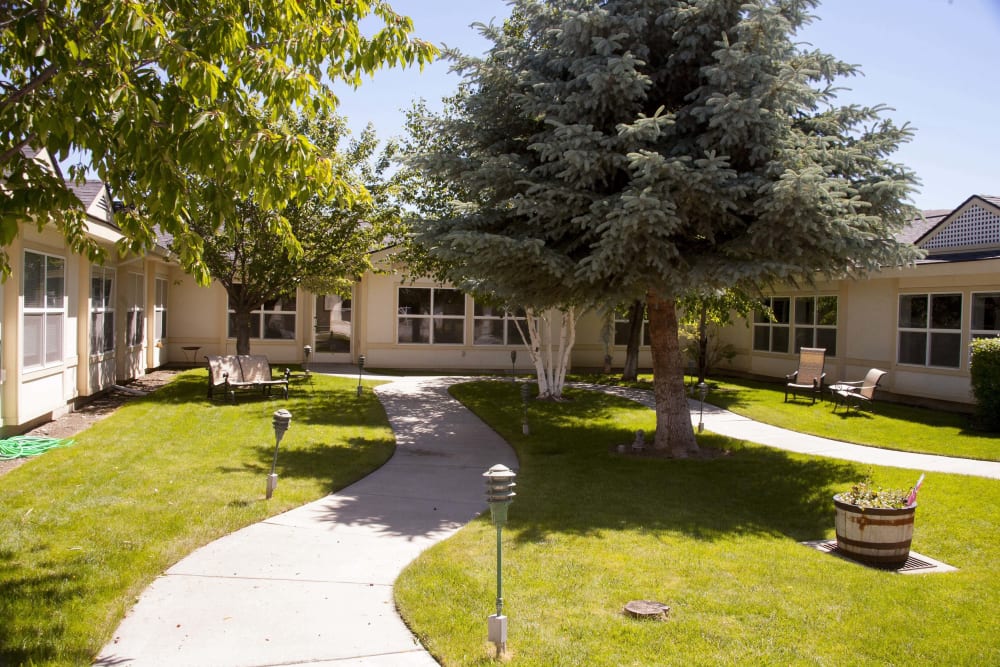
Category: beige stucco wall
[867,329]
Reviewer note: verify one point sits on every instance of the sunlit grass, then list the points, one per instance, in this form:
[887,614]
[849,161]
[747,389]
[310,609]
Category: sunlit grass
[85,529]
[890,426]
[717,541]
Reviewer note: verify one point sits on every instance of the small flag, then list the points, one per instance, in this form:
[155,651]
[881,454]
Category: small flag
[912,498]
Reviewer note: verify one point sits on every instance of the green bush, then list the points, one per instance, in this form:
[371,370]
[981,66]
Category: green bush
[986,380]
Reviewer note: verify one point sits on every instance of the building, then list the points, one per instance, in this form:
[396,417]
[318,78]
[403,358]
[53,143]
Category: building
[72,329]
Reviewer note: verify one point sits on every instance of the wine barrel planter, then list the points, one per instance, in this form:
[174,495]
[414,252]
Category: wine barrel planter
[872,535]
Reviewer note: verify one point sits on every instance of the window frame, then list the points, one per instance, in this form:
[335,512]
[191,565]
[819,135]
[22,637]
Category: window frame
[508,322]
[99,337]
[760,322]
[263,313]
[135,309]
[47,313]
[621,326]
[930,332]
[432,318]
[815,327]
[980,332]
[160,309]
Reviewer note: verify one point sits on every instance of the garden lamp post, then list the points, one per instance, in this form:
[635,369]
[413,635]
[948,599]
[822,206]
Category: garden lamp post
[361,368]
[525,397]
[307,350]
[282,418]
[702,392]
[499,494]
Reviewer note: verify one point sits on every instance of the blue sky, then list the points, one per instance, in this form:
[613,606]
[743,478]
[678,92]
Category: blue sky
[934,61]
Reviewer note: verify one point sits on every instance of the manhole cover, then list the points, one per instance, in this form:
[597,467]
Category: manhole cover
[647,609]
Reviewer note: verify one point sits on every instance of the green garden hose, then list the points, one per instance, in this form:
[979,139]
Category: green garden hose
[19,446]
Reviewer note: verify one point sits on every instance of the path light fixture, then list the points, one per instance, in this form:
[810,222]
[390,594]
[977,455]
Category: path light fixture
[282,418]
[702,392]
[525,398]
[361,369]
[499,494]
[307,350]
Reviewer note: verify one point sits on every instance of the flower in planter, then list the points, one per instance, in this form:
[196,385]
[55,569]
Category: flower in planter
[866,494]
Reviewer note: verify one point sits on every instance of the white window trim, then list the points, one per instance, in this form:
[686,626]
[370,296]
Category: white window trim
[104,273]
[980,333]
[45,310]
[264,314]
[431,316]
[135,309]
[815,326]
[159,309]
[929,330]
[507,318]
[772,326]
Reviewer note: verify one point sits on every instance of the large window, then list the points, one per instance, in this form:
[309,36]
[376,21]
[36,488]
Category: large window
[102,310]
[930,330]
[160,310]
[44,309]
[274,319]
[773,336]
[431,316]
[985,315]
[495,325]
[816,323]
[135,305]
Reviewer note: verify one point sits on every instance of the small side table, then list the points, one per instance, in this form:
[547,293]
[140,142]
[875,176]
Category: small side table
[193,349]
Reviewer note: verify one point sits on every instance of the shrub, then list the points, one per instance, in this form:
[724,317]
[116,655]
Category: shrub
[985,371]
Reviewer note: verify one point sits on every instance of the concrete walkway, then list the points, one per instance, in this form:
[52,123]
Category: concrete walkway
[314,585]
[727,423]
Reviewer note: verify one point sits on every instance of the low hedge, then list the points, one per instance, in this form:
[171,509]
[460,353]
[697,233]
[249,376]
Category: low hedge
[985,371]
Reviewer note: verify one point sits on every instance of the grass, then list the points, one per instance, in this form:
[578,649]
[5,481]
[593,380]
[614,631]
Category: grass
[717,540]
[86,528]
[891,426]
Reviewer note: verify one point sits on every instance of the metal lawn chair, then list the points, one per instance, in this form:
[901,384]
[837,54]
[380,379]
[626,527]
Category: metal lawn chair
[860,392]
[810,374]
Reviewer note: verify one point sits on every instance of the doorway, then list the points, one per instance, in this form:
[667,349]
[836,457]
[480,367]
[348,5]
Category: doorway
[333,333]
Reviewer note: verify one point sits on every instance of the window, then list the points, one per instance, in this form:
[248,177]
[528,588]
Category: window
[431,316]
[494,325]
[816,323]
[160,310]
[274,319]
[930,330]
[985,315]
[102,310]
[773,336]
[135,309]
[44,309]
[622,327]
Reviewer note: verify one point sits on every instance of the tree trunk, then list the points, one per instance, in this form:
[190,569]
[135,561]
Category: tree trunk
[241,316]
[550,367]
[631,371]
[673,417]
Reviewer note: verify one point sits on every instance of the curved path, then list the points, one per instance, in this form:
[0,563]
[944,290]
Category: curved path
[313,586]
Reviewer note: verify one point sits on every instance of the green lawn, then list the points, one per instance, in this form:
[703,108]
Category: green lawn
[85,529]
[891,426]
[717,540]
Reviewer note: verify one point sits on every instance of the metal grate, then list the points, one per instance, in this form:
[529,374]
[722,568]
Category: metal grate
[915,563]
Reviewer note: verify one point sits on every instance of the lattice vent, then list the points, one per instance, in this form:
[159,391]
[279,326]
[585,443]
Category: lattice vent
[975,227]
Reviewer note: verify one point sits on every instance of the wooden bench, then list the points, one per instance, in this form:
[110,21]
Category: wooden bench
[243,371]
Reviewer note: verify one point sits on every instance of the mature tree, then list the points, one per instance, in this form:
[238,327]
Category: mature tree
[636,315]
[328,238]
[147,94]
[645,148]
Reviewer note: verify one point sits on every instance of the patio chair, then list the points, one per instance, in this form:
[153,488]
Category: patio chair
[860,392]
[810,374]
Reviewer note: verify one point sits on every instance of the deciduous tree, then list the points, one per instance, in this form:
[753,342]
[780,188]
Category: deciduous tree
[146,94]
